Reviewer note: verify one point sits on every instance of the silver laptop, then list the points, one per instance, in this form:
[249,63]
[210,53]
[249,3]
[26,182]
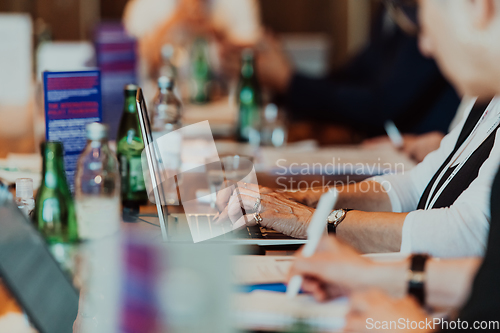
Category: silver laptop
[175,227]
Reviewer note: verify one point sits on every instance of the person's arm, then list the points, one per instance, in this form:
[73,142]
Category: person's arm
[368,196]
[396,193]
[372,232]
[447,282]
[370,100]
[369,232]
[415,147]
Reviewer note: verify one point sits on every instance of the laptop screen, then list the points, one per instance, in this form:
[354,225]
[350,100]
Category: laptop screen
[151,153]
[33,276]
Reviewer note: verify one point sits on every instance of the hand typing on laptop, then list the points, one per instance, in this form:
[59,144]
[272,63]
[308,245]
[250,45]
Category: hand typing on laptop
[276,210]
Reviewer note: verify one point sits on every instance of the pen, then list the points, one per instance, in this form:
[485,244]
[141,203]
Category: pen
[315,231]
[394,134]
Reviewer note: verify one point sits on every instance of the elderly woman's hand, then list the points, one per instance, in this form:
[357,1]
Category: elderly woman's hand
[277,210]
[225,193]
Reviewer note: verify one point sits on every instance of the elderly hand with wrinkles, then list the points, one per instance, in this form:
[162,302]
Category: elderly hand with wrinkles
[279,211]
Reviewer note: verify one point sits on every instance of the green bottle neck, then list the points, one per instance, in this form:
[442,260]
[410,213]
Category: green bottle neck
[130,105]
[53,170]
[247,70]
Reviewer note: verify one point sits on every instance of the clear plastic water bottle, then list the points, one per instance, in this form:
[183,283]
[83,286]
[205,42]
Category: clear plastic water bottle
[167,112]
[167,68]
[97,186]
[24,196]
[273,130]
[166,120]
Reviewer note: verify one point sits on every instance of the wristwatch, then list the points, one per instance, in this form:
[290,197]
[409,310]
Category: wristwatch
[335,218]
[416,277]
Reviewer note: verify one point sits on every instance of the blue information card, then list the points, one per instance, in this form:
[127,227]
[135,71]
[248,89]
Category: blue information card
[72,100]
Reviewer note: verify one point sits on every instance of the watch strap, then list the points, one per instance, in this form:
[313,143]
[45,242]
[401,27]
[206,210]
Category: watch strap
[416,277]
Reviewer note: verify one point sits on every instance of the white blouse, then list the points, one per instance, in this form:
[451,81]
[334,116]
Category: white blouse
[461,229]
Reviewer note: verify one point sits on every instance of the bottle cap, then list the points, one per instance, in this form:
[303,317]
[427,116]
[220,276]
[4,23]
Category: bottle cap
[247,54]
[271,112]
[24,187]
[165,82]
[167,51]
[131,87]
[97,131]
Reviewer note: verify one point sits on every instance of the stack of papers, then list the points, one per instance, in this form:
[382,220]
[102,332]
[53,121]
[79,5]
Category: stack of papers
[251,270]
[272,310]
[21,166]
[221,114]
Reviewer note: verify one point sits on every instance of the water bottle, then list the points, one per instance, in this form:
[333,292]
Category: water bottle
[167,108]
[166,120]
[273,128]
[97,186]
[167,68]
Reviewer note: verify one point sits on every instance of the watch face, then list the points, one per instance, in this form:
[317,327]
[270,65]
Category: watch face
[338,214]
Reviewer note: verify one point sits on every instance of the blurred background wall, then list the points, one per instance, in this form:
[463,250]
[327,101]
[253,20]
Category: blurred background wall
[340,26]
[345,23]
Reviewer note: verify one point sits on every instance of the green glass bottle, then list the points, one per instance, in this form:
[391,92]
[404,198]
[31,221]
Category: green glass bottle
[129,149]
[55,215]
[248,98]
[200,71]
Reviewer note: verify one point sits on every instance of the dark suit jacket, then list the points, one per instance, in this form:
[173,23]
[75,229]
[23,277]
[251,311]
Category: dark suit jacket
[390,79]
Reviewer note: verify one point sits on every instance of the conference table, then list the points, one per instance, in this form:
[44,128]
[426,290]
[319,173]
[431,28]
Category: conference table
[295,166]
[298,160]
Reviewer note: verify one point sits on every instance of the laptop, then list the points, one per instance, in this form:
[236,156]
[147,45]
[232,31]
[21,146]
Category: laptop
[32,275]
[175,227]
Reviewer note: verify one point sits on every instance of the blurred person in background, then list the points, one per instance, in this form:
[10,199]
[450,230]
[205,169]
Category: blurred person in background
[177,22]
[463,37]
[418,146]
[388,80]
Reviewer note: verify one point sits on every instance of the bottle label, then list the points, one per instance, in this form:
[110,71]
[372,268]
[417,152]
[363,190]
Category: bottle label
[66,255]
[131,174]
[51,210]
[136,177]
[98,216]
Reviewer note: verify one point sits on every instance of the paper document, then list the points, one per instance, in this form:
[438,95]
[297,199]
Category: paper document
[21,166]
[271,310]
[250,270]
[340,160]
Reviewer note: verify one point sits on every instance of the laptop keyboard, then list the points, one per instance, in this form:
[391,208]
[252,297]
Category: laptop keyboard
[250,232]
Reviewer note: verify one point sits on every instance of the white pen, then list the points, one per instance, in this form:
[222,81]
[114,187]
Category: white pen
[394,134]
[315,231]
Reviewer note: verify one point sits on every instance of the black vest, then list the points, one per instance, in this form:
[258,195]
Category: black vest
[469,170]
